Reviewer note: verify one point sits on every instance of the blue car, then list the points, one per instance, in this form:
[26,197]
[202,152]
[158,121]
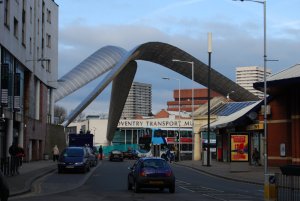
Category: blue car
[151,173]
[74,159]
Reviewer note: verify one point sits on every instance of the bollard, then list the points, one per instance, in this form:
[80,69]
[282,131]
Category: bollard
[270,190]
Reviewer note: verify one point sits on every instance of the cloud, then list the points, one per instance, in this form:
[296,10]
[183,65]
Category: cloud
[234,44]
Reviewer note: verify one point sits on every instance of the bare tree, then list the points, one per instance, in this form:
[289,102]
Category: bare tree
[60,113]
[80,117]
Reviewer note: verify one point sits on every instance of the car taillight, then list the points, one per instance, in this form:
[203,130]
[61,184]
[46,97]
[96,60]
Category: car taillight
[168,173]
[143,173]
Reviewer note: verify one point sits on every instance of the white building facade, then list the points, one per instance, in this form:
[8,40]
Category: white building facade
[131,129]
[246,76]
[29,59]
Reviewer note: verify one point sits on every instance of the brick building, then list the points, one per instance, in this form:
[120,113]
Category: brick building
[283,121]
[200,98]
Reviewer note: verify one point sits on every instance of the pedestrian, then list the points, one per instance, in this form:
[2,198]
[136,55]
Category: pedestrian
[255,156]
[55,152]
[14,159]
[169,155]
[20,155]
[4,190]
[100,152]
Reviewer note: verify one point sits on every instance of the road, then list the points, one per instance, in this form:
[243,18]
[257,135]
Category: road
[108,181]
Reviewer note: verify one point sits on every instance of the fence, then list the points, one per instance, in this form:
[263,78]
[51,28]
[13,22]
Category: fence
[10,165]
[288,187]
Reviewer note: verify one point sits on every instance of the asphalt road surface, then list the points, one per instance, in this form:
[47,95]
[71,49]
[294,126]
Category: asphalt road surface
[108,181]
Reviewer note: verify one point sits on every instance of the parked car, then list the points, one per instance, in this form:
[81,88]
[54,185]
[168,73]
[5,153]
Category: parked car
[74,159]
[116,155]
[144,153]
[93,157]
[151,173]
[130,154]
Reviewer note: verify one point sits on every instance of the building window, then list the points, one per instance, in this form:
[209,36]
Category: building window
[6,13]
[48,65]
[38,28]
[30,45]
[48,40]
[49,16]
[23,27]
[16,26]
[30,15]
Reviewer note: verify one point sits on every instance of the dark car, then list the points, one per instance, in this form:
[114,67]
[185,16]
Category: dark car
[151,173]
[130,154]
[74,159]
[116,155]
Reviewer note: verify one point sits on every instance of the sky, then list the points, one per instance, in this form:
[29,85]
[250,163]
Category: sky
[237,38]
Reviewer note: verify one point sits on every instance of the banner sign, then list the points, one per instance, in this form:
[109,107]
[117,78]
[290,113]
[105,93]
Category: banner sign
[155,123]
[239,147]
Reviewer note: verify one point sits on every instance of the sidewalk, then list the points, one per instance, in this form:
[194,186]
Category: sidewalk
[251,174]
[29,172]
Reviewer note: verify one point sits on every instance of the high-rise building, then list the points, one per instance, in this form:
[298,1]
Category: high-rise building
[28,58]
[246,76]
[139,101]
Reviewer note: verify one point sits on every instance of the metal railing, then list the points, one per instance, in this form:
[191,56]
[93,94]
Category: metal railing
[288,187]
[10,165]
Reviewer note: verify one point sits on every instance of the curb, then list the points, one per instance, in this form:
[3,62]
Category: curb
[29,183]
[220,176]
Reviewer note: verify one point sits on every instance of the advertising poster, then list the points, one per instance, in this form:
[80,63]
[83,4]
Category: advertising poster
[239,147]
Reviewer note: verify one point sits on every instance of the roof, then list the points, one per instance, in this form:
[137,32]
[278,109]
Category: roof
[292,72]
[231,107]
[221,107]
[224,121]
[288,76]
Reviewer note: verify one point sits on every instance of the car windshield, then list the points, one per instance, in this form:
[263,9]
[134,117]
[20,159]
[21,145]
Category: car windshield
[73,152]
[155,163]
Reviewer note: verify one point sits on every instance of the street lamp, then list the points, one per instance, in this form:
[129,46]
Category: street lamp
[264,3]
[228,95]
[192,64]
[209,50]
[179,111]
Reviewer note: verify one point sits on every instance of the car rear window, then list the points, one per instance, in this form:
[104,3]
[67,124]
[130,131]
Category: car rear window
[73,152]
[155,163]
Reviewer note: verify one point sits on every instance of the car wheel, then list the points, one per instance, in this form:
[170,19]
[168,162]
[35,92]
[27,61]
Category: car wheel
[136,187]
[84,169]
[172,189]
[60,170]
[129,185]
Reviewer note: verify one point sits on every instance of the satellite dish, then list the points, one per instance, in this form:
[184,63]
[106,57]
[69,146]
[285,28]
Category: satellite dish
[252,115]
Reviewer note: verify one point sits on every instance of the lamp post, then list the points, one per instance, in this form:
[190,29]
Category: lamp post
[192,65]
[209,50]
[264,2]
[228,95]
[179,111]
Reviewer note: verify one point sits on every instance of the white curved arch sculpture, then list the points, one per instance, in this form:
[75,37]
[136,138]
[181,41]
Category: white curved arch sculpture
[162,54]
[89,69]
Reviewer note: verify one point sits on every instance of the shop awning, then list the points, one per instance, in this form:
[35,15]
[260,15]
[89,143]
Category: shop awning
[225,121]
